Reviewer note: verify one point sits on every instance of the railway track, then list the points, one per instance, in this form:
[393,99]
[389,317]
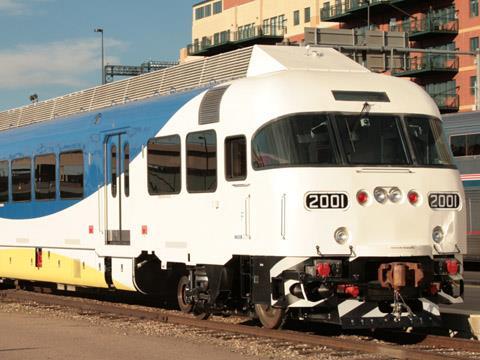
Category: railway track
[408,346]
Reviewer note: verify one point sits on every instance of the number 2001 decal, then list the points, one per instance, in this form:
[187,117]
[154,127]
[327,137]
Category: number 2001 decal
[444,201]
[315,201]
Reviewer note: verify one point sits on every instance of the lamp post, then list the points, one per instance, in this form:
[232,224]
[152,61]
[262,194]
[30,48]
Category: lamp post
[100,30]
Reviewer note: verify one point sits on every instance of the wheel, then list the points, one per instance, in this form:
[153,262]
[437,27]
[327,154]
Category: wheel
[200,312]
[183,284]
[270,317]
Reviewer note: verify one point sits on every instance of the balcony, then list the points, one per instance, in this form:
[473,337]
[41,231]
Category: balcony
[429,25]
[227,40]
[428,64]
[350,9]
[446,102]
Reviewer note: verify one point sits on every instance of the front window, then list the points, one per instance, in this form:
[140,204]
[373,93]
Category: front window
[371,139]
[317,139]
[298,140]
[428,141]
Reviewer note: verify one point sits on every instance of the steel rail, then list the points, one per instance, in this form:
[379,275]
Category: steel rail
[284,335]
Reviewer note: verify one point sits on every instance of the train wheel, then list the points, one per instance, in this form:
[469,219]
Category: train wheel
[270,317]
[200,312]
[183,284]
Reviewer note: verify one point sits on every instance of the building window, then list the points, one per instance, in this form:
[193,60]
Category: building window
[22,179]
[296,17]
[473,8]
[208,10]
[202,161]
[71,175]
[217,7]
[164,165]
[126,169]
[281,22]
[307,15]
[3,181]
[474,43]
[473,85]
[235,158]
[199,13]
[45,177]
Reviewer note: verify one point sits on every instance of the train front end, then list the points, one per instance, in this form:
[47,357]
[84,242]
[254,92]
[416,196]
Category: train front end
[367,210]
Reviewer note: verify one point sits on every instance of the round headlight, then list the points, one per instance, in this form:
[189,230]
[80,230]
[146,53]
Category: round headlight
[341,235]
[437,234]
[380,195]
[395,195]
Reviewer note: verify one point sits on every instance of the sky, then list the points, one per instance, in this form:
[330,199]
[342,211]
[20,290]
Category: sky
[48,47]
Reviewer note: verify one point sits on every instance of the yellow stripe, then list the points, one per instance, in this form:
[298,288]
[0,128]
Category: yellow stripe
[20,264]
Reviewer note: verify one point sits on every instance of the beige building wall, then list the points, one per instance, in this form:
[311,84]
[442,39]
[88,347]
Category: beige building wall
[255,12]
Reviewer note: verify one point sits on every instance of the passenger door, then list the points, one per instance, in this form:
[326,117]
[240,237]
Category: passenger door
[117,188]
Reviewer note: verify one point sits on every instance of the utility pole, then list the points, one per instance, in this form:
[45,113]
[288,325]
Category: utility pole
[100,30]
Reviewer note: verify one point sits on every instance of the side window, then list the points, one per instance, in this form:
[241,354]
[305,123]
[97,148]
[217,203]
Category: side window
[235,158]
[113,169]
[163,160]
[71,175]
[45,177]
[202,161]
[22,179]
[126,169]
[3,181]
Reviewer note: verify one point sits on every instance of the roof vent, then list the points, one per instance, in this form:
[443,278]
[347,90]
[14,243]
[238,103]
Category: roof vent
[210,106]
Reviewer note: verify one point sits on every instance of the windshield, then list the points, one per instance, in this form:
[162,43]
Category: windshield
[319,139]
[303,139]
[428,141]
[371,139]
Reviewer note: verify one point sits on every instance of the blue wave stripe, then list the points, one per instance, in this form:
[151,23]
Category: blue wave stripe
[141,120]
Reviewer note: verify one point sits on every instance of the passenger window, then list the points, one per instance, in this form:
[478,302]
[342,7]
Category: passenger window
[71,175]
[235,158]
[458,145]
[163,160]
[22,179]
[45,177]
[113,169]
[202,161]
[126,169]
[3,181]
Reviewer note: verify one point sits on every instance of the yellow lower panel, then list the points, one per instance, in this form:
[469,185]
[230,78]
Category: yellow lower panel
[20,264]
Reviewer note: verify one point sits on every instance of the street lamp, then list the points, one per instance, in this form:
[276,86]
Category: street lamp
[100,30]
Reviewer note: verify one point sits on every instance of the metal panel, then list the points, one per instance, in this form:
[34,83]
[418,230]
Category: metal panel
[216,69]
[209,111]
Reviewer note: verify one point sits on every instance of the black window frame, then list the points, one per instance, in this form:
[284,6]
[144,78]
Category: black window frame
[13,179]
[5,199]
[61,167]
[228,156]
[206,189]
[50,198]
[307,15]
[179,167]
[296,17]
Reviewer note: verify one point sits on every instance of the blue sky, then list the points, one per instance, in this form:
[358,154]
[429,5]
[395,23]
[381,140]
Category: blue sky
[49,47]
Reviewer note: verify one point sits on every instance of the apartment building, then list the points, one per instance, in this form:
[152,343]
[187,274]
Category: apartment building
[219,25]
[435,24]
[223,25]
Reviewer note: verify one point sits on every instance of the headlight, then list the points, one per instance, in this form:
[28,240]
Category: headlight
[395,195]
[380,195]
[437,234]
[341,235]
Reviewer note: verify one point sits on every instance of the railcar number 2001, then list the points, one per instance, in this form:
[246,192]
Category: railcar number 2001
[326,201]
[444,201]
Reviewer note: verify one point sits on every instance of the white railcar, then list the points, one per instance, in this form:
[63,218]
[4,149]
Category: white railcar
[309,188]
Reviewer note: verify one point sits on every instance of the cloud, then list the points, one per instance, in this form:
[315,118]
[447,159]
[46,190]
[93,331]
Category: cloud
[65,63]
[19,7]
